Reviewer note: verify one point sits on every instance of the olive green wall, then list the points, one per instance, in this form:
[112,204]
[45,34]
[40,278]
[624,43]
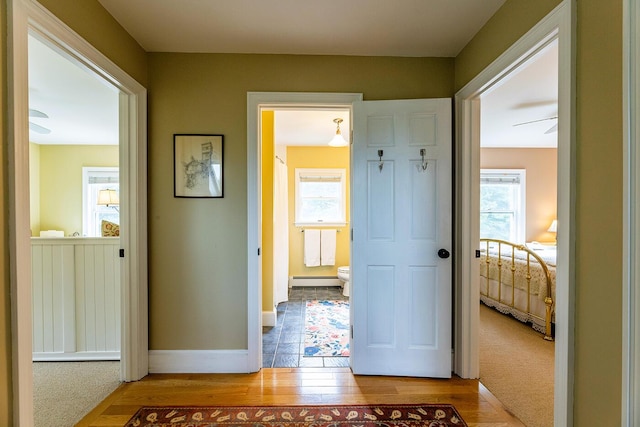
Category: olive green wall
[598,328]
[505,27]
[198,247]
[92,22]
[89,19]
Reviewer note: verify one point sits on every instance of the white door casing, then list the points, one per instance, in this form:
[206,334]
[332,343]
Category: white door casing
[401,217]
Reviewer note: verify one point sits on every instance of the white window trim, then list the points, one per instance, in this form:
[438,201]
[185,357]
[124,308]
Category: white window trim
[342,173]
[521,218]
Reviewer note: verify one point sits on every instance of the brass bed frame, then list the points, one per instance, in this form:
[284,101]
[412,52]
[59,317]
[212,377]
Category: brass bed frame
[548,300]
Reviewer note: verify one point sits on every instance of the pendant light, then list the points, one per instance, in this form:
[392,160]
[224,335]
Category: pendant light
[338,140]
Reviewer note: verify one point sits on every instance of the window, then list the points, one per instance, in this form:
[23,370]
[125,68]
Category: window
[502,204]
[95,179]
[320,196]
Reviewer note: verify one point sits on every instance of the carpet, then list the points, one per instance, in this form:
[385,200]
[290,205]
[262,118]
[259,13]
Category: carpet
[326,328]
[432,415]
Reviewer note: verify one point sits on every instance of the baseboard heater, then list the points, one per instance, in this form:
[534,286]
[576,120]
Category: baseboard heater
[313,281]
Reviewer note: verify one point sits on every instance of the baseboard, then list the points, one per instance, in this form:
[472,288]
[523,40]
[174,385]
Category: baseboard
[269,318]
[198,361]
[313,281]
[77,357]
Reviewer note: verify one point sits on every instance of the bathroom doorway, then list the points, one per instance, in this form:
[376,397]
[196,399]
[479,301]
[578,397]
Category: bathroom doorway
[305,236]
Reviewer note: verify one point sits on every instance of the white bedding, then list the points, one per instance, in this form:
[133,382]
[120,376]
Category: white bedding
[508,298]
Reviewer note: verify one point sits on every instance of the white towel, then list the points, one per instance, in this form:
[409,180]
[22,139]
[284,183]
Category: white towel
[311,248]
[328,246]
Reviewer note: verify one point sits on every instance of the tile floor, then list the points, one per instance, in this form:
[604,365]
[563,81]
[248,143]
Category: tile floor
[283,344]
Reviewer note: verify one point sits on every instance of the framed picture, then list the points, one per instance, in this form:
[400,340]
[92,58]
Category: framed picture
[198,165]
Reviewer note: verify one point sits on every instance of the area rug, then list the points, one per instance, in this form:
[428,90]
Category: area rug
[326,328]
[432,415]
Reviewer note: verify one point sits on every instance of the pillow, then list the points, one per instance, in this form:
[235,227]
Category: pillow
[110,229]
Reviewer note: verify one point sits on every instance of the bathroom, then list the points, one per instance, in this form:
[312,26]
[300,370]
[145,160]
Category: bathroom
[303,258]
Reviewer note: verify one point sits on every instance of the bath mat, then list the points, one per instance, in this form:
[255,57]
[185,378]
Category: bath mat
[326,329]
[440,415]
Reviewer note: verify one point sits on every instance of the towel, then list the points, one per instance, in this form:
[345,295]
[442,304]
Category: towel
[328,246]
[311,248]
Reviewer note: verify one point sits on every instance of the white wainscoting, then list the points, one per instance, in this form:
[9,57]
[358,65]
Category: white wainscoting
[75,298]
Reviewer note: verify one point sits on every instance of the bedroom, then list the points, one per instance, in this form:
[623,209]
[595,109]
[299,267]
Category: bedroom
[518,204]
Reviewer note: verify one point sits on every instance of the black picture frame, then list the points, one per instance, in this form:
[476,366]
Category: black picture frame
[198,165]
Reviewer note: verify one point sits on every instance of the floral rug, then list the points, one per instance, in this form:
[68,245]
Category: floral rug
[432,415]
[326,328]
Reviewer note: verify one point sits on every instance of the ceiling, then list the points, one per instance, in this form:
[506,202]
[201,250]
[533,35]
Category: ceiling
[419,28]
[83,109]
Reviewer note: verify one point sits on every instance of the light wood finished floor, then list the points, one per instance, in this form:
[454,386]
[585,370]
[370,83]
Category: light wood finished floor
[297,386]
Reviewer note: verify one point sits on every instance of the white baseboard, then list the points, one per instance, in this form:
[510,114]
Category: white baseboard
[269,318]
[313,281]
[78,357]
[198,361]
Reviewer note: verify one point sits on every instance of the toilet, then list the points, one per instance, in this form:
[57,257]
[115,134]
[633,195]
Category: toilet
[343,275]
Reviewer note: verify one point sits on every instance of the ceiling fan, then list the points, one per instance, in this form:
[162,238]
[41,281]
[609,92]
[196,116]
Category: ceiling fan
[36,127]
[552,129]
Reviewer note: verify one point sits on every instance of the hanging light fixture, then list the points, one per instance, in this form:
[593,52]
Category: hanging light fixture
[338,140]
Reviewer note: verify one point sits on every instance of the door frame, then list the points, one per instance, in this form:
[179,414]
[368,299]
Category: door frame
[631,217]
[256,101]
[24,16]
[558,24]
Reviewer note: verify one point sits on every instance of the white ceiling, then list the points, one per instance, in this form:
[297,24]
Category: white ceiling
[530,93]
[329,27]
[83,109]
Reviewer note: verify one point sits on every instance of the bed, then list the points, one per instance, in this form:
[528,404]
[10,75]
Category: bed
[520,280]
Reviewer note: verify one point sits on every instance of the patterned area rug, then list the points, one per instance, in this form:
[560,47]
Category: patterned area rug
[440,415]
[326,328]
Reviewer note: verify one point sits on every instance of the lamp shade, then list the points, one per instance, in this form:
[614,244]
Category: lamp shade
[108,198]
[553,227]
[338,141]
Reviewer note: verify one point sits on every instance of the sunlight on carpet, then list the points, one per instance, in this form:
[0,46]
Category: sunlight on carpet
[326,328]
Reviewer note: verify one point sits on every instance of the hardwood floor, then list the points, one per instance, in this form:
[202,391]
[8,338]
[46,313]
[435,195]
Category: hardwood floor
[297,386]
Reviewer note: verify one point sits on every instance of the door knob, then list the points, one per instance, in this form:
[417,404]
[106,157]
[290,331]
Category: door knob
[443,253]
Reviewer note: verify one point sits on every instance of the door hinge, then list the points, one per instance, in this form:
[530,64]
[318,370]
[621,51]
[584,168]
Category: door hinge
[121,253]
[352,234]
[258,251]
[477,253]
[351,331]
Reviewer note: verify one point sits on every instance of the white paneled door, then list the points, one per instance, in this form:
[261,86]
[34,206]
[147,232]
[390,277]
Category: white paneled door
[401,214]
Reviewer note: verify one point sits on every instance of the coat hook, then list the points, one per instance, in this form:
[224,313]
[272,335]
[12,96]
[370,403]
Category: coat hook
[424,162]
[381,163]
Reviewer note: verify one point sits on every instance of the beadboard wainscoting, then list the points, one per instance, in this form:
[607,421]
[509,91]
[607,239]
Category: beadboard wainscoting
[76,298]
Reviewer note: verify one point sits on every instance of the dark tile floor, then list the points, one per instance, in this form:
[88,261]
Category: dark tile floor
[283,344]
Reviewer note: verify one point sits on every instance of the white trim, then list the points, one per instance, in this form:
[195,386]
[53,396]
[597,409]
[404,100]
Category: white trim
[631,218]
[558,24]
[25,16]
[198,361]
[255,102]
[269,318]
[79,356]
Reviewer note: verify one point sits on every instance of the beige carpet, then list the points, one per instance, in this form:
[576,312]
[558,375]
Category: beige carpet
[64,392]
[516,365]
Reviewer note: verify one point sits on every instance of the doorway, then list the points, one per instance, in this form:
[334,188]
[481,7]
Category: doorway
[305,239]
[24,19]
[518,204]
[557,25]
